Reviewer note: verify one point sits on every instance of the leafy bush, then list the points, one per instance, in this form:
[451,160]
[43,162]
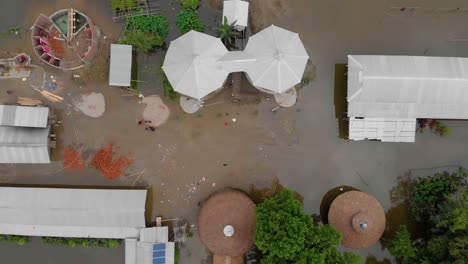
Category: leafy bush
[19,240]
[286,235]
[401,246]
[145,33]
[187,20]
[82,242]
[190,4]
[168,90]
[122,4]
[157,25]
[143,42]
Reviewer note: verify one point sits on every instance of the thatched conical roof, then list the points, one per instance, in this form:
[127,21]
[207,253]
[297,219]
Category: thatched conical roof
[226,223]
[359,217]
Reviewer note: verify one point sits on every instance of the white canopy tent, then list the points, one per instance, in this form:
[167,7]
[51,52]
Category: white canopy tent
[394,91]
[281,59]
[236,61]
[190,64]
[120,69]
[236,11]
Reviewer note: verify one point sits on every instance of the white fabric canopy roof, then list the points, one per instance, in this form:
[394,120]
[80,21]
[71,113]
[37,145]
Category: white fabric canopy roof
[238,11]
[236,61]
[120,65]
[190,64]
[281,59]
[407,87]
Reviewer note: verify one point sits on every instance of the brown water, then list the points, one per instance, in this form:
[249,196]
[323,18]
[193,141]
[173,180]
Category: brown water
[193,155]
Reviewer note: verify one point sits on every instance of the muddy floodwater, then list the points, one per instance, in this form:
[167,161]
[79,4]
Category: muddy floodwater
[227,144]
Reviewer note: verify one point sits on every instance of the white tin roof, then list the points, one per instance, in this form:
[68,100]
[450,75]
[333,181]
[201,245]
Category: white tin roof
[72,212]
[120,65]
[407,87]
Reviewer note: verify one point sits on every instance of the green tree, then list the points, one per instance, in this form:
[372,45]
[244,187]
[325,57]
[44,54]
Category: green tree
[227,33]
[286,235]
[440,204]
[402,247]
[190,4]
[428,193]
[187,20]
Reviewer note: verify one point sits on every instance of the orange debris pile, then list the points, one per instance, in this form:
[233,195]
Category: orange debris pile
[111,168]
[72,159]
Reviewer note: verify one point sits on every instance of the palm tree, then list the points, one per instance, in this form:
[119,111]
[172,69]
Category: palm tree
[227,33]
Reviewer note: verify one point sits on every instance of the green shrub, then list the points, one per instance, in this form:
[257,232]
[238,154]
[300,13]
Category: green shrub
[19,240]
[190,4]
[187,20]
[168,90]
[157,25]
[143,42]
[82,242]
[401,246]
[122,4]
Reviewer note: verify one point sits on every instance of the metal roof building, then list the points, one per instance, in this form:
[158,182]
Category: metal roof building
[23,116]
[120,70]
[24,134]
[386,94]
[62,212]
[153,247]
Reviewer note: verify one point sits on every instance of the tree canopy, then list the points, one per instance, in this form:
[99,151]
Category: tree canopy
[440,203]
[286,235]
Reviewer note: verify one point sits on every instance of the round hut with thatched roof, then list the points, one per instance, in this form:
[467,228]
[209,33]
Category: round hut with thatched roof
[359,217]
[226,224]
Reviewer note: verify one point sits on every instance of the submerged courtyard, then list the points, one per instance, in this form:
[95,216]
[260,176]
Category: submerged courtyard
[227,144]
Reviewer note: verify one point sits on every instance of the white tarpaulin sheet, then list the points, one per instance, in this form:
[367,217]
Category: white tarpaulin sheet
[72,212]
[236,11]
[120,65]
[384,129]
[407,87]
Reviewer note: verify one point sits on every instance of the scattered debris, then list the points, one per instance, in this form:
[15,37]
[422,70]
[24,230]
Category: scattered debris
[50,96]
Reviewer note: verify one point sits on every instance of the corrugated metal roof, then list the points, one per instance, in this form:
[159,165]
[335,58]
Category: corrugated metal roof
[407,87]
[24,145]
[72,212]
[23,116]
[384,129]
[120,65]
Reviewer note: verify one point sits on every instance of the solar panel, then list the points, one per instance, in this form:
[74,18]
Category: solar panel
[159,253]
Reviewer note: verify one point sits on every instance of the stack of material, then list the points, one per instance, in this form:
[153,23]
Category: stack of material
[24,134]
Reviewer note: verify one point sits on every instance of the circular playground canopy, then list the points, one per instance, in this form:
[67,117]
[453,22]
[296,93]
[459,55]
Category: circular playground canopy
[66,40]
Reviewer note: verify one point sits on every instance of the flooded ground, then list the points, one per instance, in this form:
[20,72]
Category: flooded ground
[192,155]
